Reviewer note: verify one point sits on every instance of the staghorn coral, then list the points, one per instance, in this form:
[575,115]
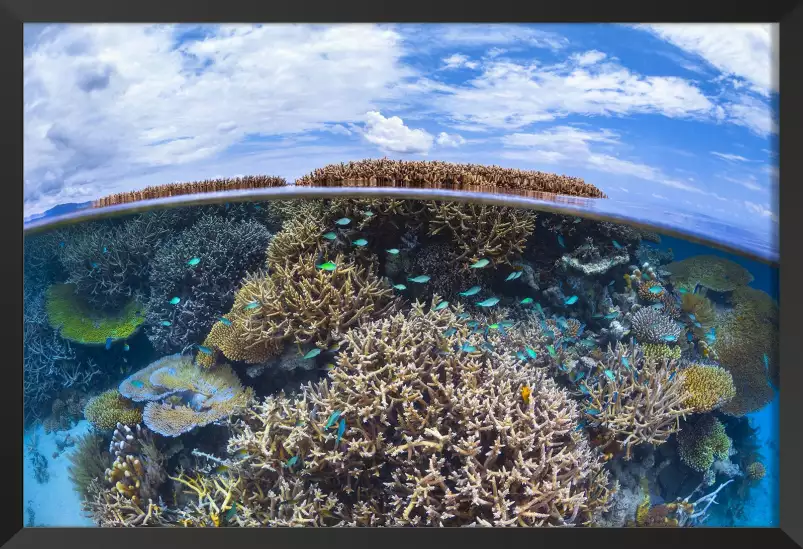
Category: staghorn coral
[699,445]
[227,250]
[431,436]
[709,387]
[436,174]
[109,408]
[498,233]
[438,261]
[88,462]
[75,321]
[192,187]
[301,234]
[712,272]
[111,509]
[652,326]
[637,400]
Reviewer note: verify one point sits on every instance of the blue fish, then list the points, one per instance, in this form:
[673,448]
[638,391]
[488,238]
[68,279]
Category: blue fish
[615,396]
[683,291]
[617,245]
[468,348]
[94,265]
[62,244]
[532,354]
[250,306]
[669,338]
[126,347]
[360,242]
[611,316]
[561,242]
[441,305]
[225,321]
[672,376]
[105,250]
[205,350]
[175,301]
[580,425]
[420,279]
[610,375]
[689,337]
[513,276]
[697,324]
[578,376]
[526,301]
[571,300]
[551,350]
[450,332]
[691,316]
[138,384]
[520,355]
[393,251]
[463,316]
[584,390]
[626,362]
[312,354]
[290,462]
[592,411]
[194,261]
[330,236]
[343,221]
[612,282]
[166,323]
[645,276]
[340,430]
[490,302]
[332,419]
[656,290]
[108,343]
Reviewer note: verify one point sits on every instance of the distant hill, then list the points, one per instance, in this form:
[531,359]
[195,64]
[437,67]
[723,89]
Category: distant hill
[61,209]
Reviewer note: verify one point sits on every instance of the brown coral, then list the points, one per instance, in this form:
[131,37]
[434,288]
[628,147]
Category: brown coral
[701,312]
[430,436]
[651,291]
[713,272]
[708,387]
[107,409]
[756,470]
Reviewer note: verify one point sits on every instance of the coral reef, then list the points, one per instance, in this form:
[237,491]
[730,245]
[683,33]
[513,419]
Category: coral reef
[589,260]
[138,469]
[660,351]
[193,187]
[710,271]
[756,470]
[700,444]
[88,461]
[438,261]
[226,250]
[75,321]
[301,234]
[652,291]
[434,174]
[709,387]
[425,435]
[109,408]
[651,326]
[64,412]
[701,312]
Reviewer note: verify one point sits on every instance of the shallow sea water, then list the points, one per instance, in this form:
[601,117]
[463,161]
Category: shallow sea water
[199,323]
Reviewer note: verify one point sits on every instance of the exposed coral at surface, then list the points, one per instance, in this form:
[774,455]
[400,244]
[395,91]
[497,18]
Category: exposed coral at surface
[88,461]
[435,174]
[469,450]
[76,321]
[108,262]
[109,408]
[635,400]
[700,444]
[709,387]
[497,233]
[652,326]
[192,187]
[713,272]
[226,249]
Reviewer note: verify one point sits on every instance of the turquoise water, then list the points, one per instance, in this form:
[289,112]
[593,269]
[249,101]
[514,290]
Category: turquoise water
[254,342]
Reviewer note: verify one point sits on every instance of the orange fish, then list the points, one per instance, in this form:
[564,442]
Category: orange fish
[525,394]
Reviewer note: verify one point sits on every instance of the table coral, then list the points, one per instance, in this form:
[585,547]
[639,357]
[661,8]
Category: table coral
[109,408]
[431,435]
[713,272]
[709,387]
[76,321]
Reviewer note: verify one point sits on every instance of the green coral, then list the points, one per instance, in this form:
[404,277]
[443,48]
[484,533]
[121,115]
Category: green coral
[703,443]
[109,408]
[76,321]
[659,351]
[713,272]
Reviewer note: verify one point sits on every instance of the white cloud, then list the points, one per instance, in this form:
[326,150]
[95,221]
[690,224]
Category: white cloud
[658,196]
[748,182]
[746,51]
[390,134]
[753,114]
[338,129]
[102,102]
[761,210]
[446,140]
[497,35]
[458,61]
[570,146]
[588,58]
[728,156]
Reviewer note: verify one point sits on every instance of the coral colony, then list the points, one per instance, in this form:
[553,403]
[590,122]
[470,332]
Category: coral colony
[389,362]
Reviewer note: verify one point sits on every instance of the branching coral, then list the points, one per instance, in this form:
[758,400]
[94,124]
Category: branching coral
[447,279]
[430,435]
[713,272]
[660,351]
[709,387]
[89,461]
[76,321]
[702,309]
[498,233]
[652,326]
[226,250]
[702,443]
[138,469]
[435,174]
[300,234]
[635,400]
[109,408]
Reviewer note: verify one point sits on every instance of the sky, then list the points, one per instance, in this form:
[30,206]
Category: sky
[673,115]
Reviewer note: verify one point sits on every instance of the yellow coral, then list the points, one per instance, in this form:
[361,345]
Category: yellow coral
[300,234]
[756,470]
[645,293]
[713,272]
[228,338]
[709,387]
[702,308]
[660,351]
[109,408]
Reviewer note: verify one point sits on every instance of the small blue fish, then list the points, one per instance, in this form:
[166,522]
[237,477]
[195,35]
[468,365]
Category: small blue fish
[290,462]
[526,301]
[656,290]
[463,316]
[62,244]
[697,324]
[360,242]
[194,261]
[626,362]
[105,250]
[205,350]
[138,384]
[692,317]
[330,236]
[561,242]
[532,354]
[472,323]
[645,276]
[108,343]
[368,213]
[328,266]
[400,286]
[441,305]
[126,347]
[580,425]
[479,264]
[551,350]
[340,430]
[468,348]
[225,321]
[617,245]
[615,396]
[683,291]
[343,221]
[672,376]
[592,411]
[766,362]
[312,354]
[539,308]
[175,301]
[471,291]
[393,251]
[669,338]
[449,332]
[251,306]
[579,376]
[611,316]
[612,282]
[332,419]
[94,265]
[232,511]
[513,276]
[520,355]
[610,375]
[571,300]
[584,390]
[420,279]
[490,302]
[166,323]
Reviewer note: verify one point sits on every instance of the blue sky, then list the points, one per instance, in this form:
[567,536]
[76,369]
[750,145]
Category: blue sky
[678,116]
